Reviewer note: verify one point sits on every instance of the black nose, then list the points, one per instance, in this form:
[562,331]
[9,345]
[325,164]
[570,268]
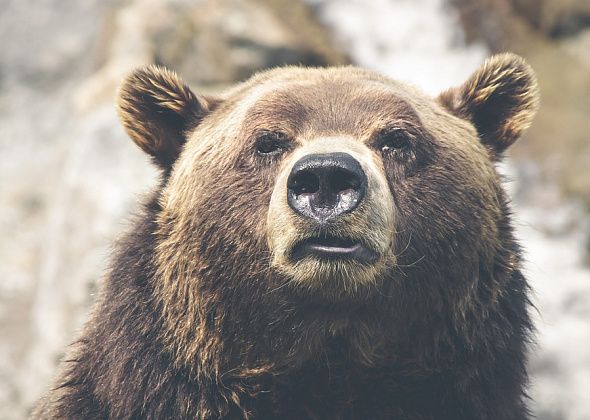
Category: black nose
[325,186]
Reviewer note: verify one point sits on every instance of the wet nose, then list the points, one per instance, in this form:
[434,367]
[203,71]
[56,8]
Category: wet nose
[325,186]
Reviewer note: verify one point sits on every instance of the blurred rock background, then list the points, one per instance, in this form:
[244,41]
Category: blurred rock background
[69,177]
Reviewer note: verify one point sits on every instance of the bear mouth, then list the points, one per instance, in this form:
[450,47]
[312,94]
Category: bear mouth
[334,248]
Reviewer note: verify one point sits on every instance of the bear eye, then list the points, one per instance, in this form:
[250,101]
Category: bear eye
[271,143]
[392,140]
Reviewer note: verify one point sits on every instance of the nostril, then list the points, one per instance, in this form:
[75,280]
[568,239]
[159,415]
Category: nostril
[343,180]
[305,182]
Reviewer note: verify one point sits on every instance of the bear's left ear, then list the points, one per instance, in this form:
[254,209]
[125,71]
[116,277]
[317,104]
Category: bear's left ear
[500,99]
[159,111]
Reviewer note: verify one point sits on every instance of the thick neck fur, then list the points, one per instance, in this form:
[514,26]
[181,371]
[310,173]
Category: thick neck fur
[246,351]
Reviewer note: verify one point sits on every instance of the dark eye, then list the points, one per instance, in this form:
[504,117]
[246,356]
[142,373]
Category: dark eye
[271,143]
[392,140]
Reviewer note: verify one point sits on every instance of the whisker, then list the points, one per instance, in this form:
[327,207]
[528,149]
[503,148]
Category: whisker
[412,264]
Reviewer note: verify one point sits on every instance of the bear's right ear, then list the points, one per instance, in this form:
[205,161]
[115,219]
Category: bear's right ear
[158,112]
[501,99]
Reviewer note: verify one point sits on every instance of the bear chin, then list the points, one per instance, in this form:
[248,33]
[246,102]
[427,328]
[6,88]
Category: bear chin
[333,266]
[334,279]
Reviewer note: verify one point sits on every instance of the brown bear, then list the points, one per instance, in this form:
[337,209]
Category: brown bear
[324,243]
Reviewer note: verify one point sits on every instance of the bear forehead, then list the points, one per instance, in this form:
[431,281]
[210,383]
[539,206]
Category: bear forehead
[327,100]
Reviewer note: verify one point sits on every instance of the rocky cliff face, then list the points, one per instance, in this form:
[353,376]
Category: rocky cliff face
[70,178]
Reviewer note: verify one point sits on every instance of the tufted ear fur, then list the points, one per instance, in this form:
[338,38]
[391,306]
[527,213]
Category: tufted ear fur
[500,99]
[158,111]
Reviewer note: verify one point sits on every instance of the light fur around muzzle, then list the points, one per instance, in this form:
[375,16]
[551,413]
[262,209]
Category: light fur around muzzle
[372,224]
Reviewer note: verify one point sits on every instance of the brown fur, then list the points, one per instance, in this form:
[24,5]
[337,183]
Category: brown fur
[204,315]
[500,99]
[156,94]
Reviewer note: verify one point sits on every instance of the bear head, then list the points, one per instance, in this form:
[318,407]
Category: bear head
[328,187]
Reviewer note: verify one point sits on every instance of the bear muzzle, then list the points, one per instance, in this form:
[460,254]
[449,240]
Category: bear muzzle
[330,222]
[322,188]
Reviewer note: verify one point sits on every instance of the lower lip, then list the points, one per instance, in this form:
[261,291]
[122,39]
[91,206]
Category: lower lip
[355,252]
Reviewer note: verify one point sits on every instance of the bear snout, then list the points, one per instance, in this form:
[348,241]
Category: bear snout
[322,187]
[331,217]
